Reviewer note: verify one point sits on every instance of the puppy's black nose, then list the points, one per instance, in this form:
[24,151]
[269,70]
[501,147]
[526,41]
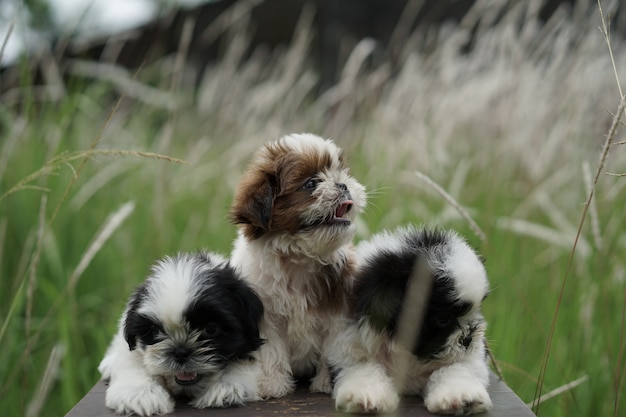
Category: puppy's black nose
[467,340]
[181,354]
[341,186]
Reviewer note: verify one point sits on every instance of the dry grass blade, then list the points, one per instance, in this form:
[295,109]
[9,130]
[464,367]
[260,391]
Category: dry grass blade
[110,225]
[50,373]
[560,390]
[51,167]
[473,225]
[114,152]
[494,362]
[181,55]
[593,210]
[402,30]
[32,281]
[24,183]
[607,37]
[413,311]
[6,40]
[544,233]
[124,82]
[227,19]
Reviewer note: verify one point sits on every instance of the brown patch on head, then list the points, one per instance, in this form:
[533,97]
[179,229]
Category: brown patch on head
[270,197]
[254,198]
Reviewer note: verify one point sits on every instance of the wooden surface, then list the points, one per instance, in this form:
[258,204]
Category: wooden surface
[303,403]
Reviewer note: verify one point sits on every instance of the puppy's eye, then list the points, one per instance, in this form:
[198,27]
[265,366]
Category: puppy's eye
[311,183]
[443,321]
[211,330]
[150,335]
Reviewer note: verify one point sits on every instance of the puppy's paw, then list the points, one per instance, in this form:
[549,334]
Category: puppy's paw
[146,399]
[460,398]
[321,383]
[106,366]
[276,386]
[222,395]
[367,397]
[366,390]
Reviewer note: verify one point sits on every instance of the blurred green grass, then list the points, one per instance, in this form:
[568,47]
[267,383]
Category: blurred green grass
[505,131]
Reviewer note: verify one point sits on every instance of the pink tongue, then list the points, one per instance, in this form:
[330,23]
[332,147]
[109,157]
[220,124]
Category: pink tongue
[186,376]
[343,208]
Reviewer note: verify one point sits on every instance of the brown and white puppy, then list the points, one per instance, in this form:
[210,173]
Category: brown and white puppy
[296,205]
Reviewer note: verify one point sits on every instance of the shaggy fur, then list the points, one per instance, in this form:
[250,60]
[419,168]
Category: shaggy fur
[189,330]
[296,205]
[446,362]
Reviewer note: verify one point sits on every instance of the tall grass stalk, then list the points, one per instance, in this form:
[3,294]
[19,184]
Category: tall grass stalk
[560,390]
[620,369]
[32,281]
[5,40]
[605,151]
[111,224]
[47,379]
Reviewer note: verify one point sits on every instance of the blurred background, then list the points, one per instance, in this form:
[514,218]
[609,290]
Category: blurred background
[124,127]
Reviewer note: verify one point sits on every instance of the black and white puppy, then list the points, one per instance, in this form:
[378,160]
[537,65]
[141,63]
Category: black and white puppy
[446,361]
[188,331]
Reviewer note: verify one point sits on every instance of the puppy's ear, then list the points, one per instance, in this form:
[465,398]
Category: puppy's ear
[253,205]
[380,305]
[129,334]
[249,313]
[254,311]
[380,287]
[132,321]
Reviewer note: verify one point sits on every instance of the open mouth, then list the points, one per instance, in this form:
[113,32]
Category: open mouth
[343,208]
[338,216]
[187,378]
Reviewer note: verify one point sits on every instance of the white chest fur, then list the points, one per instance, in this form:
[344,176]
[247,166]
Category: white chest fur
[303,297]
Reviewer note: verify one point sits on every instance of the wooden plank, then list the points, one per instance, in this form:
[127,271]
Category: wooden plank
[303,403]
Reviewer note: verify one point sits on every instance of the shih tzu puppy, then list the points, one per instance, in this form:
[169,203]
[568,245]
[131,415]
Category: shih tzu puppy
[444,360]
[295,206]
[188,331]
